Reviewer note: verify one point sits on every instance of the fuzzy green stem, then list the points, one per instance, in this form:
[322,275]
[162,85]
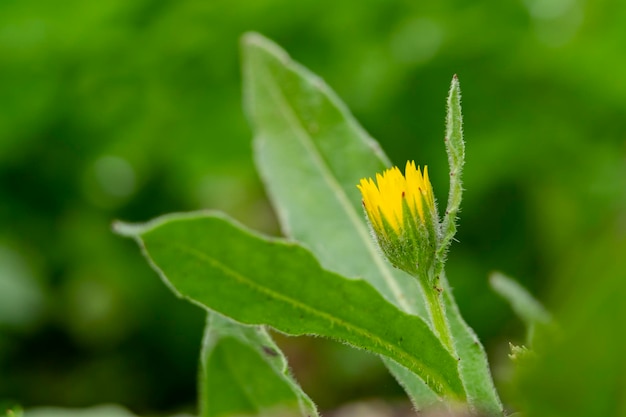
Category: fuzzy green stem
[436,310]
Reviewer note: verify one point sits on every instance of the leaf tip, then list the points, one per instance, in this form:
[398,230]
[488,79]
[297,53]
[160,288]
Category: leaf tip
[455,86]
[126,229]
[252,38]
[254,41]
[499,282]
[495,278]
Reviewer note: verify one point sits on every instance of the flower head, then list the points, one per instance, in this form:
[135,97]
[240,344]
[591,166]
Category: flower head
[401,211]
[393,191]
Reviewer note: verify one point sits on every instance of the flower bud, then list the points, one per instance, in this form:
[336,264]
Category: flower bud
[402,215]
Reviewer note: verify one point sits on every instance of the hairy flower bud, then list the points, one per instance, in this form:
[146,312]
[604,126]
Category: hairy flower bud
[403,217]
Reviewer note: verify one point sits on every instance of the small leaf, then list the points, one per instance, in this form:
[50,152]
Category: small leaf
[522,302]
[455,147]
[243,372]
[222,267]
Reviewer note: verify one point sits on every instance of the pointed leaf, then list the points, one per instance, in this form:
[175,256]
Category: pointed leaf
[455,147]
[220,266]
[527,308]
[522,302]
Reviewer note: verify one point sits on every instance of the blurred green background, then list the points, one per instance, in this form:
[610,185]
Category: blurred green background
[132,109]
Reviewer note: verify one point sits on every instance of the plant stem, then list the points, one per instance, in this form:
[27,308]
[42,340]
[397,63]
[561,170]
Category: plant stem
[436,310]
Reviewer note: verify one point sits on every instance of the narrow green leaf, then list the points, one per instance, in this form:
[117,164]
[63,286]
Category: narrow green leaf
[455,147]
[522,302]
[473,365]
[527,308]
[311,153]
[243,372]
[220,266]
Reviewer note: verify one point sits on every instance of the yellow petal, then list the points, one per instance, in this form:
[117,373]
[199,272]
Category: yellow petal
[384,199]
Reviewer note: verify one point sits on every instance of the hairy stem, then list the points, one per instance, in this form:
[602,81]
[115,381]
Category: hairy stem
[436,310]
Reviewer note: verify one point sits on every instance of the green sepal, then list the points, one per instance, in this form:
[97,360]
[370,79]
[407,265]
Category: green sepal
[428,247]
[390,243]
[412,249]
[408,249]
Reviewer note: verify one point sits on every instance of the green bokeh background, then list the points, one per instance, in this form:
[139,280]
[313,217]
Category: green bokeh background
[132,109]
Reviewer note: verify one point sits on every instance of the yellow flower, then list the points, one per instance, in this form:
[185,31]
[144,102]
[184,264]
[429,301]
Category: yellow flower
[394,190]
[401,211]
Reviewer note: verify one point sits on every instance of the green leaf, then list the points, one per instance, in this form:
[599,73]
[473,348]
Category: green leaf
[455,148]
[522,302]
[220,266]
[243,372]
[311,153]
